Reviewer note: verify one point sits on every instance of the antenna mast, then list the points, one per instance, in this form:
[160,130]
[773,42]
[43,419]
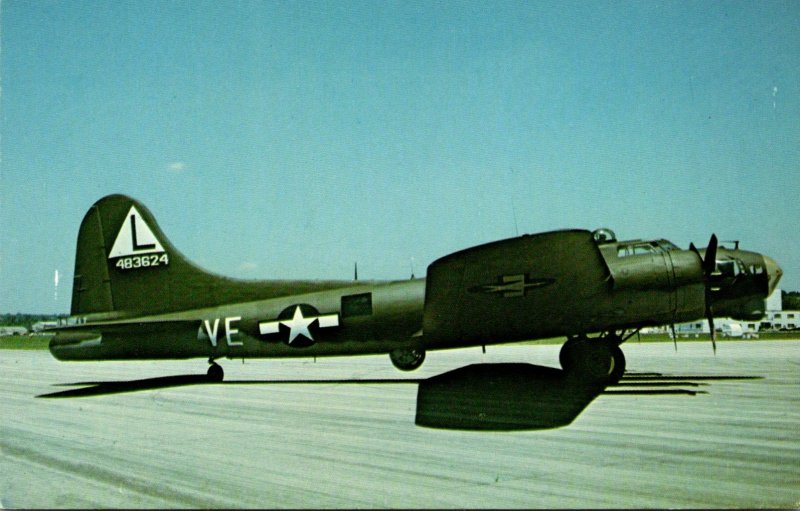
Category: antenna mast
[513,208]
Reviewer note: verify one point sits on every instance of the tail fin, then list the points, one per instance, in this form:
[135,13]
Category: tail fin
[124,262]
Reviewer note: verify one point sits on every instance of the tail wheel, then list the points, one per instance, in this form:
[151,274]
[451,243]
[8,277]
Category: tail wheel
[215,373]
[407,359]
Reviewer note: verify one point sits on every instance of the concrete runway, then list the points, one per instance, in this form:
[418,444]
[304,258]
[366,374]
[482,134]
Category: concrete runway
[258,443]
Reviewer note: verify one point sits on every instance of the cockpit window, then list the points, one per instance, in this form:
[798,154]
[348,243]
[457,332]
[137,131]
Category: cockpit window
[727,268]
[731,267]
[638,249]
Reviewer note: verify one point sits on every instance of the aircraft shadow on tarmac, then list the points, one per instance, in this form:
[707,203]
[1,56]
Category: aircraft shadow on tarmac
[488,397]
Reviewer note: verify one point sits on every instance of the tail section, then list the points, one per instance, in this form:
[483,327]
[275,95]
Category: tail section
[124,262]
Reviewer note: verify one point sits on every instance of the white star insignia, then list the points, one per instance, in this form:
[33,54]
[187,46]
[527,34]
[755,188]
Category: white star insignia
[298,325]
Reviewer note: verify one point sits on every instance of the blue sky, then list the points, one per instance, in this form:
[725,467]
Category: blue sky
[290,139]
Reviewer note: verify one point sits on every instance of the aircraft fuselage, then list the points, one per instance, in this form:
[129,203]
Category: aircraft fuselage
[136,297]
[369,317]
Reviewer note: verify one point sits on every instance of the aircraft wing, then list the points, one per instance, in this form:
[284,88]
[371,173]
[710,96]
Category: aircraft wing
[498,291]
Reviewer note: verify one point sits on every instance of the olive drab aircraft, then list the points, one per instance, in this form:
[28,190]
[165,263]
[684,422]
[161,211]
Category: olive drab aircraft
[135,296]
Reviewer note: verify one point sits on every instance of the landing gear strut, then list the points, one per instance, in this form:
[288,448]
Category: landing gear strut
[215,372]
[598,359]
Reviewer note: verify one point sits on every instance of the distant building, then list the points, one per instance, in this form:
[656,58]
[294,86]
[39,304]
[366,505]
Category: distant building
[781,320]
[13,330]
[727,326]
[778,319]
[41,325]
[775,301]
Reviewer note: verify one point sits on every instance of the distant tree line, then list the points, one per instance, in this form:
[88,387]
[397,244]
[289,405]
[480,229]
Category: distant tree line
[791,300]
[27,320]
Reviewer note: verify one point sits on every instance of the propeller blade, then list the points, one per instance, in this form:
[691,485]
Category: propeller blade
[710,261]
[674,337]
[713,330]
[709,265]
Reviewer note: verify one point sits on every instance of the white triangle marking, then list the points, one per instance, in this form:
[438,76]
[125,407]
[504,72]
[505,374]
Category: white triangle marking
[135,237]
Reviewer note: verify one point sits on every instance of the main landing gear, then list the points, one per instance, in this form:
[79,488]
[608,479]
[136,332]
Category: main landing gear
[215,372]
[598,359]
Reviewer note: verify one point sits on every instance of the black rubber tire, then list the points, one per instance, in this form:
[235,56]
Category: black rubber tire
[566,356]
[595,360]
[215,373]
[407,359]
[619,365]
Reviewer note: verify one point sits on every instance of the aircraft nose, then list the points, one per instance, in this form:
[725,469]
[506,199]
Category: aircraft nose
[774,272]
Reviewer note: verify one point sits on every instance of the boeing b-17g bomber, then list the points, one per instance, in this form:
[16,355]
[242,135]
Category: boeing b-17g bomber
[136,297]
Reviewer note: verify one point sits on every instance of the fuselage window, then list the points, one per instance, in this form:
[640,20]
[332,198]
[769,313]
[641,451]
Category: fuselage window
[357,305]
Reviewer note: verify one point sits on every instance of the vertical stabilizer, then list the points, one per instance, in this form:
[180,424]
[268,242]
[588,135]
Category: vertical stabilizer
[124,263]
